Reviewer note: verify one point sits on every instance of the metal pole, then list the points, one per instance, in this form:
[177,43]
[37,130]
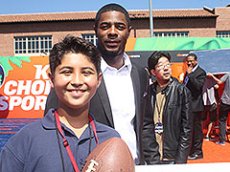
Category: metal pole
[151,18]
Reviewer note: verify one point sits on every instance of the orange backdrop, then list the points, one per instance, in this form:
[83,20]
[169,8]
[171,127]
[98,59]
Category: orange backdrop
[24,91]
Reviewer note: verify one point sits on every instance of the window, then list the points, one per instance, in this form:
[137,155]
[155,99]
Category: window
[34,45]
[170,34]
[90,37]
[223,34]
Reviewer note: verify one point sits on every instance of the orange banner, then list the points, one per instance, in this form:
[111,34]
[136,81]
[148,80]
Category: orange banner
[24,86]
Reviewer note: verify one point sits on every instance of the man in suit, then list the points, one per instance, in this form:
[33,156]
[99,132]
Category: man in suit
[118,101]
[194,81]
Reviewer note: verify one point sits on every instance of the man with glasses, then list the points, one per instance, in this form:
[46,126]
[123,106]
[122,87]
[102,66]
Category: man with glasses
[172,118]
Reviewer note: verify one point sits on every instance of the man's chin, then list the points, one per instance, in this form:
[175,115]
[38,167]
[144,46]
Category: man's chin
[110,54]
[167,77]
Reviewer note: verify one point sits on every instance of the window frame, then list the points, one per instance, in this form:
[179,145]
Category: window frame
[91,37]
[223,34]
[171,34]
[33,45]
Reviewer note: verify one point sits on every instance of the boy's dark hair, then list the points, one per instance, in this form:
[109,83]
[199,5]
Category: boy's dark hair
[193,55]
[74,45]
[112,7]
[154,58]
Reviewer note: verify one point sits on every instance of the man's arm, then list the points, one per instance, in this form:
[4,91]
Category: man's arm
[218,81]
[186,130]
[150,146]
[196,80]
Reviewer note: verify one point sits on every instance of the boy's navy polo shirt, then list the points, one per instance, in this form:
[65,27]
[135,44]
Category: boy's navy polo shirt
[35,147]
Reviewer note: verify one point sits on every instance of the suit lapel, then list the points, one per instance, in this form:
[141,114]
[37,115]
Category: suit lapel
[136,89]
[102,92]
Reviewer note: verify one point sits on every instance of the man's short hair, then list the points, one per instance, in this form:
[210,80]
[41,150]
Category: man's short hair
[193,55]
[112,7]
[154,58]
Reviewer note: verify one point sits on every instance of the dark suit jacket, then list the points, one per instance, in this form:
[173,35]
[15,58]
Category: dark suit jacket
[100,105]
[195,85]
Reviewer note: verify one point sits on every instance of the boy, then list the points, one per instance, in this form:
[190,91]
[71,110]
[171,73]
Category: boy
[62,140]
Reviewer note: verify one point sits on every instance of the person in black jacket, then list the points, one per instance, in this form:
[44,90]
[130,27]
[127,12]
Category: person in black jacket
[172,118]
[118,100]
[194,81]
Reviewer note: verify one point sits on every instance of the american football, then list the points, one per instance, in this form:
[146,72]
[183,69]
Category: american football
[112,155]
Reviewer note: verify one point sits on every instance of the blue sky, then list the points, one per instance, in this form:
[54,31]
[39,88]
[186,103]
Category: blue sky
[41,6]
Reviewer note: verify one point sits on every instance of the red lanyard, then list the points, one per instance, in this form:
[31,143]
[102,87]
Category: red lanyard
[65,142]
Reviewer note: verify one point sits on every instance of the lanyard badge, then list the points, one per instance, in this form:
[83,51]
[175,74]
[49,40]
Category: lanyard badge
[159,128]
[159,124]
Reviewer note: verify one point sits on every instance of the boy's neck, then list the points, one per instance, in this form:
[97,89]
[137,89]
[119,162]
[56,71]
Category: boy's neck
[78,131]
[76,122]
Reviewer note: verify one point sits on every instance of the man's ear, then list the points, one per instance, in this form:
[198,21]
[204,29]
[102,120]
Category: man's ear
[51,79]
[152,72]
[130,28]
[95,29]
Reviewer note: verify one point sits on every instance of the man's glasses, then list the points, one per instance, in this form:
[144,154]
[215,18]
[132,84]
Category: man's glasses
[163,66]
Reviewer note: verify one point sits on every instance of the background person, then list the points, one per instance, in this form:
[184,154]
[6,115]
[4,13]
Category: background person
[194,81]
[224,105]
[210,103]
[170,102]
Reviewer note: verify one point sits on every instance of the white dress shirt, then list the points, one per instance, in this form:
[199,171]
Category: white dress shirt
[121,96]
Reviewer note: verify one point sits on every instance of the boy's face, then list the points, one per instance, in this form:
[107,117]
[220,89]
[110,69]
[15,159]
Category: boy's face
[112,32]
[162,70]
[75,81]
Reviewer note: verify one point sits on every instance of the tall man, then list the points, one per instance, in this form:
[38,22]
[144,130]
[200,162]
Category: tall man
[118,100]
[194,81]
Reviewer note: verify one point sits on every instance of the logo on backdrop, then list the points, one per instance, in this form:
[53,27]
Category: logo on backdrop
[2,76]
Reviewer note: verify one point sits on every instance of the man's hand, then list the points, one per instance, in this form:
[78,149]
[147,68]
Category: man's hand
[189,69]
[209,75]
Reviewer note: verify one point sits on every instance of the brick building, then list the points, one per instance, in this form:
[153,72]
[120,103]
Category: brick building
[34,34]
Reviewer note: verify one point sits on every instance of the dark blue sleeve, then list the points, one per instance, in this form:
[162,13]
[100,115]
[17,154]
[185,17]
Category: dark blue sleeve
[9,159]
